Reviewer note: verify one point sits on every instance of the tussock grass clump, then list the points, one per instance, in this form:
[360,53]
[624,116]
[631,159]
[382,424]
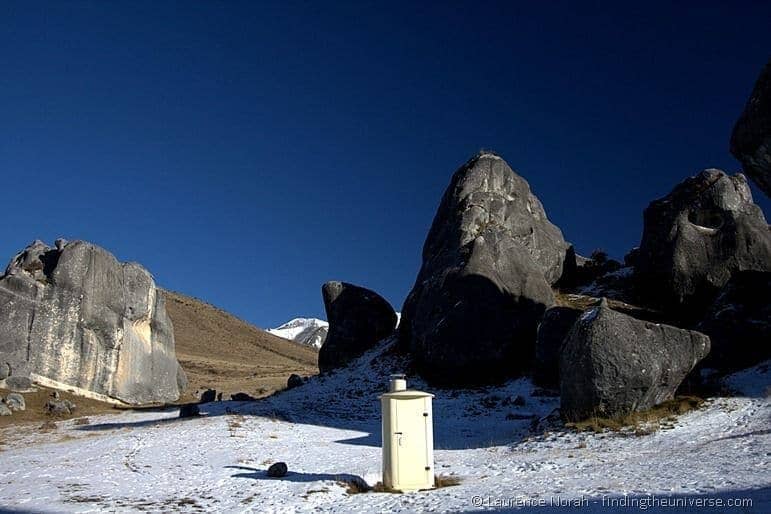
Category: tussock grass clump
[357,486]
[640,423]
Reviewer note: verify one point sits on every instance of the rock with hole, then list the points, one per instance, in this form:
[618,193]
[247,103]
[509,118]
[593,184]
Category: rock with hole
[695,238]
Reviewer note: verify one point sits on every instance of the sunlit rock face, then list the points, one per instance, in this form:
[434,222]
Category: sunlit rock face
[695,238]
[74,316]
[484,284]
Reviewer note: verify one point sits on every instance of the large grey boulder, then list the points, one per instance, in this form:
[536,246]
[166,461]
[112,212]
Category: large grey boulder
[552,331]
[358,319]
[695,238]
[488,263]
[76,317]
[751,138]
[739,323]
[612,364]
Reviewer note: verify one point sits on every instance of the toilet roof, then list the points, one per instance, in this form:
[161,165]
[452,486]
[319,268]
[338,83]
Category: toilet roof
[406,395]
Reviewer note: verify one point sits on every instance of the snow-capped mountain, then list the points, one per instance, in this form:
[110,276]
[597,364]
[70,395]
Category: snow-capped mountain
[307,331]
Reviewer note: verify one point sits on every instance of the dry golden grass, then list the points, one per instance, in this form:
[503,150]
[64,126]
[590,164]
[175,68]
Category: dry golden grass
[219,351]
[641,423]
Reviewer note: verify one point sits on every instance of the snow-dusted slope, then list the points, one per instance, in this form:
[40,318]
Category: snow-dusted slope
[507,451]
[307,331]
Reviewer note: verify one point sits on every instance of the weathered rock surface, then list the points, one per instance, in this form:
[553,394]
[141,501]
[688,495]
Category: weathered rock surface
[751,138]
[59,407]
[358,319]
[612,364]
[4,410]
[695,238]
[78,317]
[552,331]
[488,263]
[739,323]
[15,402]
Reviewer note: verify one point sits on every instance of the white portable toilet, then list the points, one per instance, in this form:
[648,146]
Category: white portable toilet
[408,437]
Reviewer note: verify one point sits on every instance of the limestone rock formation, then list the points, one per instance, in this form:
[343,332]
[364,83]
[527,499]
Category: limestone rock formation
[739,323]
[612,364]
[488,263]
[552,331]
[751,138]
[74,316]
[696,237]
[358,319]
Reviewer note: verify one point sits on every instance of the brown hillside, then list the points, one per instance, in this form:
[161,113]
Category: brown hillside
[219,351]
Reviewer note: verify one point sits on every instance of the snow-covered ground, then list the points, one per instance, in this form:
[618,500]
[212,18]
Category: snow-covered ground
[307,331]
[506,452]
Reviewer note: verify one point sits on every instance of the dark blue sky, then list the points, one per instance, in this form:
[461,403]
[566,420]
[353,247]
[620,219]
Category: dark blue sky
[245,153]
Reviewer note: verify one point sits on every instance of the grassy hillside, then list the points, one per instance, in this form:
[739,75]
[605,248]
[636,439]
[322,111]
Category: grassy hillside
[219,351]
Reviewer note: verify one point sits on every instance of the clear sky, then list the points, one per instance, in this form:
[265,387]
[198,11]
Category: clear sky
[246,152]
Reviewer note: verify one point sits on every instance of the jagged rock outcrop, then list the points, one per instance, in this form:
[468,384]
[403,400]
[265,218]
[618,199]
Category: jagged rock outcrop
[739,323]
[552,331]
[751,138]
[612,364]
[695,238]
[75,316]
[488,263]
[358,319]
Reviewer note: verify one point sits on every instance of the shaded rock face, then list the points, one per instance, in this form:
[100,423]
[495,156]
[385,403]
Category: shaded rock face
[739,323]
[751,138]
[695,238]
[552,331]
[358,319]
[612,364]
[488,263]
[77,316]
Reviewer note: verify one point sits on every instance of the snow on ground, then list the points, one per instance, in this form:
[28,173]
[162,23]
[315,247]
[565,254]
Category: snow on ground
[506,454]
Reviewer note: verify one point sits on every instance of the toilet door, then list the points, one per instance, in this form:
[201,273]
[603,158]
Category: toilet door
[410,442]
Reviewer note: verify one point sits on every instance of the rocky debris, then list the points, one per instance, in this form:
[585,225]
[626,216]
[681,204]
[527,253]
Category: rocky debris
[295,380]
[242,397]
[358,319]
[208,396]
[5,370]
[488,263]
[59,407]
[15,402]
[739,323]
[612,364]
[552,331]
[4,410]
[695,238]
[189,410]
[278,470]
[75,315]
[751,138]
